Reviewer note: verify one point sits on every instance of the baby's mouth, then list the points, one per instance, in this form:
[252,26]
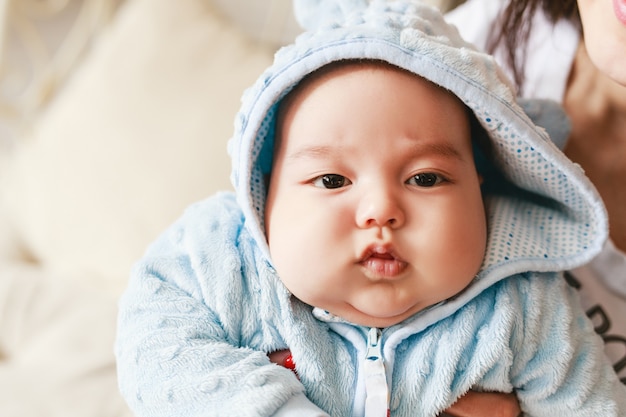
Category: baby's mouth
[382,262]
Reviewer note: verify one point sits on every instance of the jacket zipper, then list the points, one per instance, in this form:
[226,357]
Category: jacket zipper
[376,388]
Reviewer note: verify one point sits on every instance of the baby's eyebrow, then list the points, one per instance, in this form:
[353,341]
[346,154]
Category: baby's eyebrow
[312,152]
[441,148]
[421,148]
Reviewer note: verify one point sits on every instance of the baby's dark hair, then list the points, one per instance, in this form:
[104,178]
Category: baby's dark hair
[481,144]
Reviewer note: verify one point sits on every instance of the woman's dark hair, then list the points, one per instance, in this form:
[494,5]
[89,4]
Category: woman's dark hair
[514,24]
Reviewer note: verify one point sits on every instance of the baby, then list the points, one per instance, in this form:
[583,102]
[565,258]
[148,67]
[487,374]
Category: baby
[398,223]
[373,189]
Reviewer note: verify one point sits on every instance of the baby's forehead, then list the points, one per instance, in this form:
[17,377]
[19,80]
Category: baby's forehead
[333,70]
[287,106]
[369,86]
[340,68]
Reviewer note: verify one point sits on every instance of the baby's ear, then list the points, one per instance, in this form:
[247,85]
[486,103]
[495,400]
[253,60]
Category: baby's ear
[549,115]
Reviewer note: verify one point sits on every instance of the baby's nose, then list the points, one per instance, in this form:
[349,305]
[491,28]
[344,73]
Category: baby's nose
[380,207]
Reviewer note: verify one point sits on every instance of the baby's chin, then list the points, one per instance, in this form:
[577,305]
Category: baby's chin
[379,315]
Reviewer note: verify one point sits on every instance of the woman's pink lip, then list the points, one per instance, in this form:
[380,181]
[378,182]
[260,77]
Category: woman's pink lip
[619,6]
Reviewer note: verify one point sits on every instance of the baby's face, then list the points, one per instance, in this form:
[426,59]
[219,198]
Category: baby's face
[374,209]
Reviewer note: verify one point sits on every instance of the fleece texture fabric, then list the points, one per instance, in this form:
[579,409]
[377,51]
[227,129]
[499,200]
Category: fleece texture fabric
[204,305]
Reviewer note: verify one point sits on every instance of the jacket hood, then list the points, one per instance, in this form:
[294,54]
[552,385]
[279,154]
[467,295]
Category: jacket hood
[546,217]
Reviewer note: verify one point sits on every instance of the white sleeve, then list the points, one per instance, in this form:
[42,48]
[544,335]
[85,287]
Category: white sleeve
[474,19]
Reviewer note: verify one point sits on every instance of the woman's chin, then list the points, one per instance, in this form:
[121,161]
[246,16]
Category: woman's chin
[606,54]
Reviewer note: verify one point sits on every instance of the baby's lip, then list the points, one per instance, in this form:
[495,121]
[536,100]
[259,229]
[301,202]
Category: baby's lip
[382,261]
[384,251]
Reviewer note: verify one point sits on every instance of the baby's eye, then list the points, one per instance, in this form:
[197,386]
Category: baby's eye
[331,181]
[426,179]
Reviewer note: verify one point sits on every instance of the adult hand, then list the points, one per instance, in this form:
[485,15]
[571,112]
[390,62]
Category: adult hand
[472,404]
[282,358]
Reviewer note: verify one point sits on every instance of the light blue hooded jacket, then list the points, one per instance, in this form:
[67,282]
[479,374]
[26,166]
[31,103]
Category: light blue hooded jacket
[204,305]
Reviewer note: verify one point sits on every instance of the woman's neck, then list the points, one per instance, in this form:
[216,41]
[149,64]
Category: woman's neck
[597,107]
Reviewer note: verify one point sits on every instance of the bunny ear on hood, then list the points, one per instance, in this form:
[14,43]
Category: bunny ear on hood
[549,218]
[314,14]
